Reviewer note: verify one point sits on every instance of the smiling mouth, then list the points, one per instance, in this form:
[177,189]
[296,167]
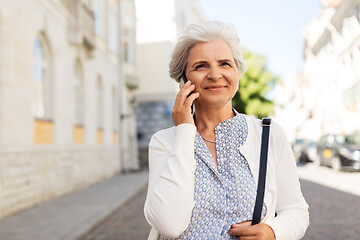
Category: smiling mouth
[215,88]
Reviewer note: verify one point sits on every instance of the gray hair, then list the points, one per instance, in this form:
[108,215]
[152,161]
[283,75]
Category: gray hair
[200,33]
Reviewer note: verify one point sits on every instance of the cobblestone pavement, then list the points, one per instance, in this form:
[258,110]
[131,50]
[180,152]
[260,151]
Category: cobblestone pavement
[334,215]
[126,223]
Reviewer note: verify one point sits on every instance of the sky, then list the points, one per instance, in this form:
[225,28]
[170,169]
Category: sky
[273,29]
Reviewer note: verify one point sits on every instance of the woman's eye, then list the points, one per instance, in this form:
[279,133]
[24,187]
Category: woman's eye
[199,66]
[225,64]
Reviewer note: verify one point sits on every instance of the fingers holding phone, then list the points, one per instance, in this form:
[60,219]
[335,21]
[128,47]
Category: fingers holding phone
[181,112]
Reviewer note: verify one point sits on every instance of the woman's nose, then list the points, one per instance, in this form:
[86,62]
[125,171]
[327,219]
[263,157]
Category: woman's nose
[214,74]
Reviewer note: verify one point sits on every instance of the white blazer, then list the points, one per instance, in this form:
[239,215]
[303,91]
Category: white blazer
[170,197]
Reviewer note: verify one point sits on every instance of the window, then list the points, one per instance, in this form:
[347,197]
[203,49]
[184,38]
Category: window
[41,81]
[100,111]
[127,46]
[113,9]
[41,102]
[99,103]
[97,7]
[114,109]
[128,31]
[114,115]
[112,36]
[78,94]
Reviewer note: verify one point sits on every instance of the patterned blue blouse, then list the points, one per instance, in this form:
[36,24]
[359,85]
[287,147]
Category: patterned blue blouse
[224,195]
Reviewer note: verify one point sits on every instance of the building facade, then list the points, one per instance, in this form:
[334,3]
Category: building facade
[332,74]
[130,82]
[62,95]
[157,33]
[293,110]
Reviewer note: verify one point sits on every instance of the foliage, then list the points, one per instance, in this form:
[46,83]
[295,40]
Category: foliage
[254,85]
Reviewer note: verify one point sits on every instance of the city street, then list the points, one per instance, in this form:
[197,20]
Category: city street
[126,223]
[334,200]
[334,213]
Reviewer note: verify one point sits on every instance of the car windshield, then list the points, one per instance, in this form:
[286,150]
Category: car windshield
[353,139]
[310,144]
[348,139]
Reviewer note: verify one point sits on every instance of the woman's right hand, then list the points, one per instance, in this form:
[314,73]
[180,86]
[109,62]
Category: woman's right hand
[181,112]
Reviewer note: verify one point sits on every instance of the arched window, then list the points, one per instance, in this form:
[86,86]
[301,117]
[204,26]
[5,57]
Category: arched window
[114,109]
[100,110]
[41,102]
[78,94]
[78,103]
[100,103]
[41,82]
[114,114]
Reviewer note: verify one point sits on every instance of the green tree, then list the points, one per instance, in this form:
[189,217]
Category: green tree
[254,85]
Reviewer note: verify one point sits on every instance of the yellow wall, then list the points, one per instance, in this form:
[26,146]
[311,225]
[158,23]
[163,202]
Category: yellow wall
[78,134]
[100,136]
[43,132]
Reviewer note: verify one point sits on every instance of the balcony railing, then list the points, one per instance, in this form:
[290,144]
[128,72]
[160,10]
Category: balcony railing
[131,81]
[81,29]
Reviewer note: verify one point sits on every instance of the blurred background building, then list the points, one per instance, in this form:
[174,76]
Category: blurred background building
[332,60]
[294,99]
[325,97]
[67,76]
[156,93]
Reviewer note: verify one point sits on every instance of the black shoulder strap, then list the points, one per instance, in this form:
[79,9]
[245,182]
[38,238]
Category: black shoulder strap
[266,122]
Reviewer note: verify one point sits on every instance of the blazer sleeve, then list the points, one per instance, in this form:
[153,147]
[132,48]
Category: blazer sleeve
[292,217]
[170,197]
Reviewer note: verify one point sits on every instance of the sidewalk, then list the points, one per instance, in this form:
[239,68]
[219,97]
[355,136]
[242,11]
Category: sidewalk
[71,216]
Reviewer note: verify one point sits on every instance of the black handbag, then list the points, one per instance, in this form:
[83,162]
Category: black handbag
[265,123]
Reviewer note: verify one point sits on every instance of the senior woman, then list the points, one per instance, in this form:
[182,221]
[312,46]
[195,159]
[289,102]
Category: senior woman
[203,171]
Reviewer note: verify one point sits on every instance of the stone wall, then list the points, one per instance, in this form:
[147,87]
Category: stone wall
[31,177]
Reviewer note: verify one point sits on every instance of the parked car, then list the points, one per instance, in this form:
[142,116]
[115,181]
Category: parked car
[296,147]
[308,152]
[304,150]
[341,152]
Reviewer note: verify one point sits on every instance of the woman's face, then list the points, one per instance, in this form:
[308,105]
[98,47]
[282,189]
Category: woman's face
[211,67]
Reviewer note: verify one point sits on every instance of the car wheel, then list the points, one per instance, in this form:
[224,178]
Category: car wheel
[299,159]
[336,164]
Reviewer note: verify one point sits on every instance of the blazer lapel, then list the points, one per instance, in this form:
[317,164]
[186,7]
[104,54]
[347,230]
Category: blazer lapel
[251,148]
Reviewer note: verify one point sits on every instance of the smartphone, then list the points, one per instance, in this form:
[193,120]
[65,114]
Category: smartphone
[182,81]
